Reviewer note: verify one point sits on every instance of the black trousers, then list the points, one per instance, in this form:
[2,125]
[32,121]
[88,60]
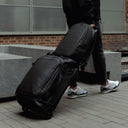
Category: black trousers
[98,57]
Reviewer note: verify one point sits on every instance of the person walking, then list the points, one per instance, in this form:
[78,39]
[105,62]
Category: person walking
[88,11]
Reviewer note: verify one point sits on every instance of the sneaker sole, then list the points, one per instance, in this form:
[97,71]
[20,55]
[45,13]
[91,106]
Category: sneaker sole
[113,90]
[76,96]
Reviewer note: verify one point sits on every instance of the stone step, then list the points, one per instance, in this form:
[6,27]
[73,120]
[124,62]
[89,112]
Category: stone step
[113,65]
[12,70]
[29,50]
[14,67]
[124,65]
[124,60]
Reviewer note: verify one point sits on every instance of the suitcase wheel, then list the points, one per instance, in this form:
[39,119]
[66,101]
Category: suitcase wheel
[47,116]
[25,109]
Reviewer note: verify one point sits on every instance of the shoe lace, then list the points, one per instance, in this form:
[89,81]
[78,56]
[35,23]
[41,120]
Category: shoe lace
[80,89]
[111,82]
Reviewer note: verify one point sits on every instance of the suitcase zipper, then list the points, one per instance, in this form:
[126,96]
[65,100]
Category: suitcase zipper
[51,80]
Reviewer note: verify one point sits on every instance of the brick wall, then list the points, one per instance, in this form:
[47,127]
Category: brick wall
[117,42]
[126,15]
[114,42]
[49,40]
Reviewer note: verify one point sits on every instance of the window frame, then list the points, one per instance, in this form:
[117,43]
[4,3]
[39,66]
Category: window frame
[31,32]
[117,32]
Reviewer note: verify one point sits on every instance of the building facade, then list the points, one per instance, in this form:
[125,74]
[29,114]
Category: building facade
[42,22]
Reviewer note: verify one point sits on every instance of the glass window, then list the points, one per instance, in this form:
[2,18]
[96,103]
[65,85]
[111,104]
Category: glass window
[112,15]
[44,16]
[21,2]
[31,17]
[47,2]
[48,19]
[48,16]
[14,19]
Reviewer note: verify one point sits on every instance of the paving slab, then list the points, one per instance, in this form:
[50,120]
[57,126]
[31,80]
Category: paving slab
[12,70]
[94,111]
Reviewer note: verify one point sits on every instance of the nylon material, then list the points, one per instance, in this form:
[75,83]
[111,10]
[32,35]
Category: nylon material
[35,76]
[73,46]
[60,89]
[78,43]
[83,34]
[83,47]
[50,100]
[52,80]
[70,41]
[75,37]
[65,82]
[41,76]
[50,83]
[56,90]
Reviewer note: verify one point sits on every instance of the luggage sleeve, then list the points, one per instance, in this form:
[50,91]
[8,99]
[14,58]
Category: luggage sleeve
[77,43]
[45,83]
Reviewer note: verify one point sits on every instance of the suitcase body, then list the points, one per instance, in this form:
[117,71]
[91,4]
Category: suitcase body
[44,84]
[78,43]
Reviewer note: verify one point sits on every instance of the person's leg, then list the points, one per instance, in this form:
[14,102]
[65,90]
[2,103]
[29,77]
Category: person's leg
[99,58]
[100,65]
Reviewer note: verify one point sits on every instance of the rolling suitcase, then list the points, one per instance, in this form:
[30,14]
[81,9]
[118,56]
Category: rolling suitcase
[44,84]
[78,43]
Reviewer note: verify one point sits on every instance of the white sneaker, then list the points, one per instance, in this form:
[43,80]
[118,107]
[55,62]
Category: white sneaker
[79,92]
[112,86]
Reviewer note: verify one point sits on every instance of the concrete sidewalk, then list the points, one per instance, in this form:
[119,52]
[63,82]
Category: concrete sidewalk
[94,111]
